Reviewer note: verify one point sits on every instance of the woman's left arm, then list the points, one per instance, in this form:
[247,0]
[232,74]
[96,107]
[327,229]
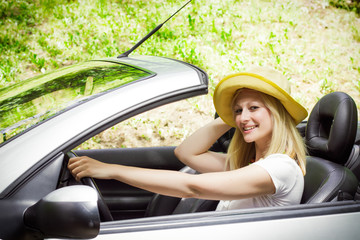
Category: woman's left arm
[246,182]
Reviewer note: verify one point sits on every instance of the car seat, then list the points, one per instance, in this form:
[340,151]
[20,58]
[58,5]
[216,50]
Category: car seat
[330,136]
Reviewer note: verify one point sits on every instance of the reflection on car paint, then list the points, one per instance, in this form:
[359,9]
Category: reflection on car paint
[30,102]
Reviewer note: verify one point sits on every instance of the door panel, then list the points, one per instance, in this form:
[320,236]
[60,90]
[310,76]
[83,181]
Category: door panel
[125,201]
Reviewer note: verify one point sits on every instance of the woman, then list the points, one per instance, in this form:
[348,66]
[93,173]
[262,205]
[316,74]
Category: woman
[257,103]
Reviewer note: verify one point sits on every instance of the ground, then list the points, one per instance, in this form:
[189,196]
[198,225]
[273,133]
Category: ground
[164,126]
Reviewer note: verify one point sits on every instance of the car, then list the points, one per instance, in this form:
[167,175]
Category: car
[45,118]
[54,110]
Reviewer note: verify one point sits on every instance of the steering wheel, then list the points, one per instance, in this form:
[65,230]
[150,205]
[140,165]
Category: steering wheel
[104,211]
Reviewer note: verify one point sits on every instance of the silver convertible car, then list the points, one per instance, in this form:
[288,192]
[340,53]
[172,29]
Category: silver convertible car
[44,118]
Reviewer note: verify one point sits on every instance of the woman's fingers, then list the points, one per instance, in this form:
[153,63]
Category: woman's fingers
[87,167]
[79,168]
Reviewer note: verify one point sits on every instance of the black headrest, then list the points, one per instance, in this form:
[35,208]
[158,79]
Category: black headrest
[331,128]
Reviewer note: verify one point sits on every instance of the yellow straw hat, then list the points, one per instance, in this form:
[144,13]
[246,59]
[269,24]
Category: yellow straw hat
[260,79]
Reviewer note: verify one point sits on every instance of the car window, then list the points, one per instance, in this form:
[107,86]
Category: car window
[167,125]
[37,99]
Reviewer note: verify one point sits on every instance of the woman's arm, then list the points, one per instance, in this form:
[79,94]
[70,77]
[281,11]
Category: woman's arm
[193,151]
[229,185]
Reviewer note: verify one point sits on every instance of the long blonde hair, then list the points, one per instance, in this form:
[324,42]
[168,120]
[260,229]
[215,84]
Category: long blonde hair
[285,138]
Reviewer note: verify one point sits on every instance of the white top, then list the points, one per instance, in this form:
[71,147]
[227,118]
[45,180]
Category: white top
[287,178]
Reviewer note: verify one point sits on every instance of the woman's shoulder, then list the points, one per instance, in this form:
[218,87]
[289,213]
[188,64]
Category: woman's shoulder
[283,170]
[278,156]
[287,163]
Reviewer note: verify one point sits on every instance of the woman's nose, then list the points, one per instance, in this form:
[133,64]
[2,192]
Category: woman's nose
[245,115]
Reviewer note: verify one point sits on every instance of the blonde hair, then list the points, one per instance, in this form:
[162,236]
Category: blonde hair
[285,138]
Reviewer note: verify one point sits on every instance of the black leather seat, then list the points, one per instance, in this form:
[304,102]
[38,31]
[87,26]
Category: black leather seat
[330,136]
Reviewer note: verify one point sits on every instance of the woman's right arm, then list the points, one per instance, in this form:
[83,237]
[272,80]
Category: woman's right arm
[194,150]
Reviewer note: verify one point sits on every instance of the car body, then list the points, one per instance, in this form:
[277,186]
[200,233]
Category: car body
[38,198]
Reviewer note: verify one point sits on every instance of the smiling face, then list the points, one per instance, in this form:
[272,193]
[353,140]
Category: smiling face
[253,118]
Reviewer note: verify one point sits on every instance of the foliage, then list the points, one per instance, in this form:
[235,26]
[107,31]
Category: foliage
[352,5]
[314,43]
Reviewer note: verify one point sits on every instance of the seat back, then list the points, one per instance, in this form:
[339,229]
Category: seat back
[326,181]
[329,137]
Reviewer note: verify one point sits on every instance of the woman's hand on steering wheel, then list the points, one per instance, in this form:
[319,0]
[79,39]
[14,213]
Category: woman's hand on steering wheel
[85,166]
[104,210]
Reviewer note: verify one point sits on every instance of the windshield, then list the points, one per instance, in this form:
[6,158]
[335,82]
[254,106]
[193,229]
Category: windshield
[32,101]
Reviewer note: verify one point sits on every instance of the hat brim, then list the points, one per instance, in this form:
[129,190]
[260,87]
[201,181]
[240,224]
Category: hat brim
[225,90]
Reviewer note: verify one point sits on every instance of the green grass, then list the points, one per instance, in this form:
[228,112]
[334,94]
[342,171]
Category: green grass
[314,43]
[350,5]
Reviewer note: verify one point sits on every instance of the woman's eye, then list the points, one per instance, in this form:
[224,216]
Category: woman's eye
[254,107]
[237,111]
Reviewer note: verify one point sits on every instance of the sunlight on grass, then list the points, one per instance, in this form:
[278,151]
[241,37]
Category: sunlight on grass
[316,45]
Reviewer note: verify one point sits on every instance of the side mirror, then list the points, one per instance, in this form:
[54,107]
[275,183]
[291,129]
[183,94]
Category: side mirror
[68,212]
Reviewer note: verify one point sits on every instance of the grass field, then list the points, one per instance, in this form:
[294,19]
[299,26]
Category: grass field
[316,45]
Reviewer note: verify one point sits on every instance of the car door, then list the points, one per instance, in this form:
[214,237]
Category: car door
[335,220]
[124,201]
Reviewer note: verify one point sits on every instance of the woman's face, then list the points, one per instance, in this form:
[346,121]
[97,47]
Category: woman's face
[252,117]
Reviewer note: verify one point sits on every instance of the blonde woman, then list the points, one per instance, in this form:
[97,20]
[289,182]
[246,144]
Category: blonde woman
[265,163]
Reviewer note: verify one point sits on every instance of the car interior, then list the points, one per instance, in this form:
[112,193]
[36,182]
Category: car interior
[333,165]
